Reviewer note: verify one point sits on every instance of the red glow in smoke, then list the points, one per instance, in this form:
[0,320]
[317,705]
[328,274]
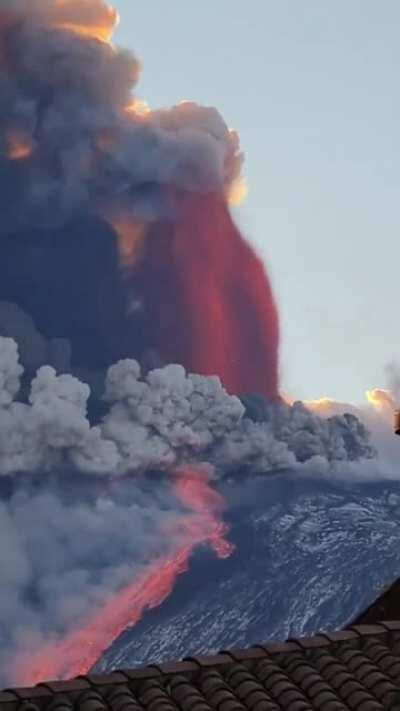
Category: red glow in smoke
[211,298]
[80,649]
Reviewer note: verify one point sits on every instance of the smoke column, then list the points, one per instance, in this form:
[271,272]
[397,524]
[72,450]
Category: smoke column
[81,648]
[116,231]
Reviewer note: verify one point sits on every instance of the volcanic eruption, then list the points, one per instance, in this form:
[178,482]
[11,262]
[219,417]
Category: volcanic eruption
[133,314]
[116,232]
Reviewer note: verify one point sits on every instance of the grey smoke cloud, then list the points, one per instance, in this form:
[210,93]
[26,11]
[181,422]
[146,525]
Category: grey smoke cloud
[63,557]
[76,520]
[157,421]
[69,97]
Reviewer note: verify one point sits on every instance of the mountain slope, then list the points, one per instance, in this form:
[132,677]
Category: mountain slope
[310,555]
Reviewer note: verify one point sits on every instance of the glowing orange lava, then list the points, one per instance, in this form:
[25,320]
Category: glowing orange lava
[81,648]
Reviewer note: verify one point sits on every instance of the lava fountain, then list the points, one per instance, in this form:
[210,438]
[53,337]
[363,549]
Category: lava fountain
[210,297]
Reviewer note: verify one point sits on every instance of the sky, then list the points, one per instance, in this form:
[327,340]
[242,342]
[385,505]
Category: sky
[312,88]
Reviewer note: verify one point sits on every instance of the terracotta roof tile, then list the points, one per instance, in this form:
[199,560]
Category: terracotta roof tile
[28,706]
[339,636]
[152,694]
[60,702]
[104,679]
[310,642]
[136,675]
[183,667]
[210,661]
[277,647]
[211,681]
[239,655]
[248,689]
[387,661]
[29,693]
[186,696]
[367,630]
[91,701]
[391,626]
[340,679]
[279,684]
[121,698]
[360,700]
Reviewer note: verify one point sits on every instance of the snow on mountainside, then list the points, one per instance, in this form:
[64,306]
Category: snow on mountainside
[310,555]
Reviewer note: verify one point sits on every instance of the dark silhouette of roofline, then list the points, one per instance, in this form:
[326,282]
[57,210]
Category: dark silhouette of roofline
[360,664]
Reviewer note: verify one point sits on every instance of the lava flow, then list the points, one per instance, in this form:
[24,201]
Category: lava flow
[77,652]
[211,298]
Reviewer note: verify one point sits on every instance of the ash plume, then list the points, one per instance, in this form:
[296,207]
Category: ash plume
[75,109]
[108,211]
[135,320]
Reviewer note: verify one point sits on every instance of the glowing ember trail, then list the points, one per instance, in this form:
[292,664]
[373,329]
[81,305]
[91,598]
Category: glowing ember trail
[211,298]
[79,650]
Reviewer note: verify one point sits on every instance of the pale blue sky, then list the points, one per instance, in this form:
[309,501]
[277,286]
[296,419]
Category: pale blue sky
[312,87]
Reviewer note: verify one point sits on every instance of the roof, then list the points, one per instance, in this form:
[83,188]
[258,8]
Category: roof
[357,668]
[385,607]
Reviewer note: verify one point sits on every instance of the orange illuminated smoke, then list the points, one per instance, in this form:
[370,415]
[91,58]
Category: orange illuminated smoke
[19,146]
[78,16]
[94,20]
[324,406]
[103,34]
[380,399]
[80,649]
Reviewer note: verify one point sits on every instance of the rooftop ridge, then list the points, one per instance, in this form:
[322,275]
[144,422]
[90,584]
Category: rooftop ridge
[32,698]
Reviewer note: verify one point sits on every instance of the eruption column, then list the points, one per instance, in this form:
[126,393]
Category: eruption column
[80,649]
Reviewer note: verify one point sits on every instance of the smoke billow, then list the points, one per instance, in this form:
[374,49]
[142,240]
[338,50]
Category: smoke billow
[67,549]
[157,421]
[136,324]
[74,518]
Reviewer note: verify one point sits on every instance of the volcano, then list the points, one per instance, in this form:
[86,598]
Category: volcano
[133,314]
[310,556]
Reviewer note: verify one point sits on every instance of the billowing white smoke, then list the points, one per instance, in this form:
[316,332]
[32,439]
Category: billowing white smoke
[155,422]
[378,419]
